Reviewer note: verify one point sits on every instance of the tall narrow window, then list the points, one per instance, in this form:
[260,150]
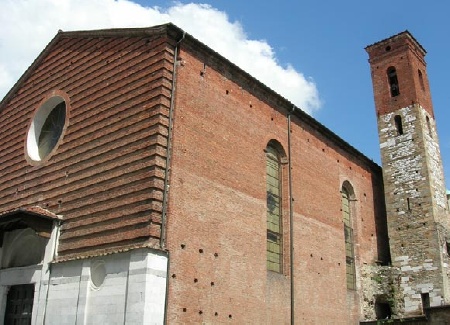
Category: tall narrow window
[393,82]
[425,300]
[398,124]
[422,85]
[349,243]
[274,222]
[429,127]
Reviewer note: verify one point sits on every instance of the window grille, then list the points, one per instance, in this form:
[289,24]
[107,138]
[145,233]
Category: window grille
[349,243]
[274,224]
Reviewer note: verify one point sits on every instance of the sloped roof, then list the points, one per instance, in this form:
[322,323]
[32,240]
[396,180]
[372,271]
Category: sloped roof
[36,211]
[35,217]
[115,32]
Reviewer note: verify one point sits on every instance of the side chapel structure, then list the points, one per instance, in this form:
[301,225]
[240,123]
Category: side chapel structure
[148,180]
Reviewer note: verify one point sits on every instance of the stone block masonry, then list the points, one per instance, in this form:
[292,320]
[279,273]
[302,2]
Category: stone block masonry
[414,186]
[415,201]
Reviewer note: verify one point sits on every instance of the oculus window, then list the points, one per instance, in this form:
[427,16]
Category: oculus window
[46,129]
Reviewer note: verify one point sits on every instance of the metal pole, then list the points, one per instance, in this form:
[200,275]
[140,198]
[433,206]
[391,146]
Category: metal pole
[291,220]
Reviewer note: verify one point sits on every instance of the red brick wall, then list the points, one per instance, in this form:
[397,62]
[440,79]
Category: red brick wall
[217,209]
[407,57]
[105,178]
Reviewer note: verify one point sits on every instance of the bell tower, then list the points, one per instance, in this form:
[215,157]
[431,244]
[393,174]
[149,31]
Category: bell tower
[416,205]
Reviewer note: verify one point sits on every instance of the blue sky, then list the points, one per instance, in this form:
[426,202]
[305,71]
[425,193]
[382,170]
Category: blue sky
[318,45]
[325,39]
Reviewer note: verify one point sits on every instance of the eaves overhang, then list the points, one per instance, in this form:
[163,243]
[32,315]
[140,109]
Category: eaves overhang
[35,217]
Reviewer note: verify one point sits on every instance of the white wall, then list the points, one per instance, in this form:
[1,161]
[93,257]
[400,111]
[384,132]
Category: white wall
[132,292]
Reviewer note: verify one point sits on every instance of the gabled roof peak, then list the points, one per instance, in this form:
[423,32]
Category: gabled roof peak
[168,29]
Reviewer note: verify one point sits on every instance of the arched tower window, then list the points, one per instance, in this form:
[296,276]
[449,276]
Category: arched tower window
[398,124]
[274,221]
[393,82]
[346,195]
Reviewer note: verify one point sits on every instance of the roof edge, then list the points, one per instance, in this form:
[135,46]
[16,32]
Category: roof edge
[132,31]
[9,95]
[168,28]
[31,211]
[405,32]
[177,33]
[281,102]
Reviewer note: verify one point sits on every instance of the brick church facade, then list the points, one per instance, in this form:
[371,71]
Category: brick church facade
[148,180]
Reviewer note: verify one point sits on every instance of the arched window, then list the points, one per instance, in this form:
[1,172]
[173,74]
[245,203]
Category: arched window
[346,194]
[393,82]
[398,124]
[274,221]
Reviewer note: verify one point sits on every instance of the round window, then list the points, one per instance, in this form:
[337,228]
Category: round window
[46,128]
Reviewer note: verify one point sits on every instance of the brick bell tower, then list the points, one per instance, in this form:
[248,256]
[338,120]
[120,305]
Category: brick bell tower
[416,205]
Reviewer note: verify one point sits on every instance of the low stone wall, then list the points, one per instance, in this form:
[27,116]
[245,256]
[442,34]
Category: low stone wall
[433,316]
[381,288]
[115,289]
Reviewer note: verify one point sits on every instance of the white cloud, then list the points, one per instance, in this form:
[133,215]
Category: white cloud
[28,25]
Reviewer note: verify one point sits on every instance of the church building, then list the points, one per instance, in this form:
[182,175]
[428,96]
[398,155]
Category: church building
[146,179]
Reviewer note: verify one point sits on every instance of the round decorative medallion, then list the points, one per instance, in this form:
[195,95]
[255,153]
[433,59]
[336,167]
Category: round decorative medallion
[98,273]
